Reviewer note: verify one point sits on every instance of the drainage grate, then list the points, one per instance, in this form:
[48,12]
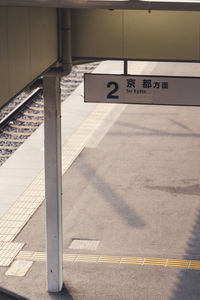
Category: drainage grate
[84,244]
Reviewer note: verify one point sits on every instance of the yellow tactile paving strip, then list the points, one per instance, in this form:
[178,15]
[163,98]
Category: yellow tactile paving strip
[78,141]
[26,205]
[8,251]
[128,260]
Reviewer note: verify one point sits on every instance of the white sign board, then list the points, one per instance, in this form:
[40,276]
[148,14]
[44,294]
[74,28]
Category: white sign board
[160,90]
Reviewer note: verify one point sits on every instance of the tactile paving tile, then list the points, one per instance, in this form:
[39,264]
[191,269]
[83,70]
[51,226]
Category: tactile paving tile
[8,251]
[106,259]
[19,268]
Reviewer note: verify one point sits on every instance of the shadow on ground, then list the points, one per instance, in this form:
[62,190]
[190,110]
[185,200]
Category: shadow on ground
[109,195]
[187,286]
[8,295]
[147,131]
[191,190]
[63,295]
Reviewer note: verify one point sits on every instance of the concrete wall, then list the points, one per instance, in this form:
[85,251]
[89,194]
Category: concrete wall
[28,46]
[136,34]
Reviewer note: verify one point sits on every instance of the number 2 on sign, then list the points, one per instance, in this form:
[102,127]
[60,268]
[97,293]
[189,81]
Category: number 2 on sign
[115,87]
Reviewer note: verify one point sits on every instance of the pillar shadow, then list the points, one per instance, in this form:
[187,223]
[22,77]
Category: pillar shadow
[63,295]
[109,195]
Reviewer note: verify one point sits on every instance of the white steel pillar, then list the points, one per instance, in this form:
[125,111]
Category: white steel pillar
[53,181]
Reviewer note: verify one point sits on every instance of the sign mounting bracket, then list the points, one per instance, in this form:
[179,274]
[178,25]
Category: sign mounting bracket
[125,67]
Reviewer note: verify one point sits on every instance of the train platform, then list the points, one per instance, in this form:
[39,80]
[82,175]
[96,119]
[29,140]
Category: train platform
[131,213]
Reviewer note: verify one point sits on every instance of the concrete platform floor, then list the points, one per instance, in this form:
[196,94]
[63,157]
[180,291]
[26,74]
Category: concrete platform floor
[135,188]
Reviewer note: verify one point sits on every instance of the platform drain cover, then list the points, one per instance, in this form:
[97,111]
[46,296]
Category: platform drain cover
[84,244]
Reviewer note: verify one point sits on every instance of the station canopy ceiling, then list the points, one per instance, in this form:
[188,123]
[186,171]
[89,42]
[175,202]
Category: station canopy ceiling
[111,4]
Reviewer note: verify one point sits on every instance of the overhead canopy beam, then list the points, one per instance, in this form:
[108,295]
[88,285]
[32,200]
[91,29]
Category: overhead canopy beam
[114,4]
[136,35]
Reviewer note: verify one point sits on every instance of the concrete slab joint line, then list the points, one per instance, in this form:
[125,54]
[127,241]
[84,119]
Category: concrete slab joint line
[128,260]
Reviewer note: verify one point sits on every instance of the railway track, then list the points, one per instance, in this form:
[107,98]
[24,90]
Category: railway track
[23,115]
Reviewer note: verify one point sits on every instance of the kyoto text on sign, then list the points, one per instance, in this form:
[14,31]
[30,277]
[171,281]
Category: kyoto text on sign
[106,88]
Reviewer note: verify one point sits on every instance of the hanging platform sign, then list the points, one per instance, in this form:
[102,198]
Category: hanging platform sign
[131,89]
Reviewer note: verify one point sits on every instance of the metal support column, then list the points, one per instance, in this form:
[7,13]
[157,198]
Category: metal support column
[53,181]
